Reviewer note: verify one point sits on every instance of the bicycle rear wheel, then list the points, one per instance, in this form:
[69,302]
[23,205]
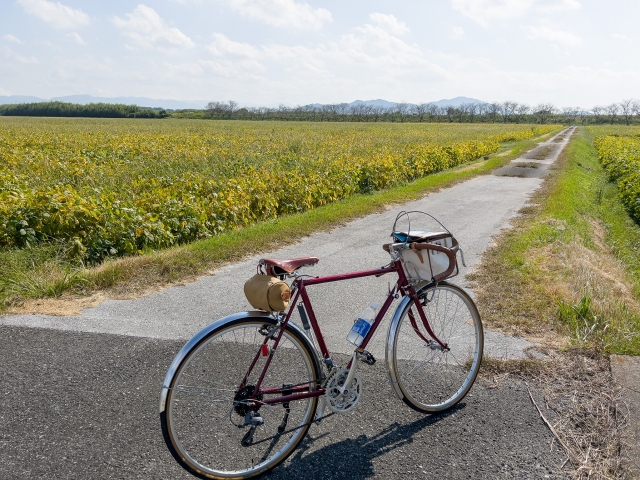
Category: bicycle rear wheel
[203,410]
[425,376]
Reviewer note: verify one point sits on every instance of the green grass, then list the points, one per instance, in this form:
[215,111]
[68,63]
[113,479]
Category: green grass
[49,271]
[571,263]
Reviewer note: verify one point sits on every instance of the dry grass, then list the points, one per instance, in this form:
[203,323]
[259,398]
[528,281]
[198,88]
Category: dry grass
[598,270]
[580,390]
[580,406]
[60,306]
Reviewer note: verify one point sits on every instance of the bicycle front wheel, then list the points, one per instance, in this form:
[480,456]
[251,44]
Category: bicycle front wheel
[425,376]
[204,410]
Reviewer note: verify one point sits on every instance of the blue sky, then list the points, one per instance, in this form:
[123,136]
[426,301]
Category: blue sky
[265,52]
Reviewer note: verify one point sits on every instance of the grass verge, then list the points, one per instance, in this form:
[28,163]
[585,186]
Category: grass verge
[566,275]
[37,278]
[570,265]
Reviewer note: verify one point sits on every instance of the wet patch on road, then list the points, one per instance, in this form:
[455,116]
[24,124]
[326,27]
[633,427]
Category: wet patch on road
[537,163]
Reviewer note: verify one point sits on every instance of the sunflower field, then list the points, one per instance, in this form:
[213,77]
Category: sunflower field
[108,187]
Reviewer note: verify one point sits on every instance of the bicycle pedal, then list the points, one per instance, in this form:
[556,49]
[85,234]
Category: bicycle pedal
[367,358]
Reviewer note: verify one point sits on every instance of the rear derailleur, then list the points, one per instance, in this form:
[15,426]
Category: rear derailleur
[243,407]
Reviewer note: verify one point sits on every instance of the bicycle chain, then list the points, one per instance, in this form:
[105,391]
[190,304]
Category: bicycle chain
[323,385]
[294,428]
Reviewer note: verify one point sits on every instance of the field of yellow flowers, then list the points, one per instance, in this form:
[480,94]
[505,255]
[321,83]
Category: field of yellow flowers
[618,150]
[115,187]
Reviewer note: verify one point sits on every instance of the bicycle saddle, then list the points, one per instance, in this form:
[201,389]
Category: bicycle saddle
[289,264]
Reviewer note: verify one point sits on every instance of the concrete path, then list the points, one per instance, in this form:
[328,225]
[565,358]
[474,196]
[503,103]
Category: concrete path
[474,211]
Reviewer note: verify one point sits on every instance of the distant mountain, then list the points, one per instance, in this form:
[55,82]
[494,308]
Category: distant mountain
[375,103]
[85,99]
[456,102]
[19,99]
[453,102]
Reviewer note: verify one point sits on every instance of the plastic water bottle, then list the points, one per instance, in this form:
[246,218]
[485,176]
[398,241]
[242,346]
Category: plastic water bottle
[362,325]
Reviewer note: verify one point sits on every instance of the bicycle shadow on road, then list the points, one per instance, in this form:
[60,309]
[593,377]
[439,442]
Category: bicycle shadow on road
[352,458]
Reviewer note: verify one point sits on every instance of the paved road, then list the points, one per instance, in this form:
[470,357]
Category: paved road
[80,394]
[83,405]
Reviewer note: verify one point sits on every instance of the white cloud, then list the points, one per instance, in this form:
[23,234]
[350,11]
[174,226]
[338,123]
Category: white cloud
[375,46]
[184,70]
[389,23]
[557,5]
[585,86]
[145,27]
[362,60]
[457,32]
[3,91]
[8,53]
[10,38]
[222,45]
[484,11]
[235,69]
[259,64]
[56,14]
[283,13]
[619,37]
[557,37]
[76,38]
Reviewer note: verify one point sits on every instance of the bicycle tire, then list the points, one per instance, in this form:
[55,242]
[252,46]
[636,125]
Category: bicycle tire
[426,377]
[198,417]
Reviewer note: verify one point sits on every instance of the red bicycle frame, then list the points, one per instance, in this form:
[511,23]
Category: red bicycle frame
[298,392]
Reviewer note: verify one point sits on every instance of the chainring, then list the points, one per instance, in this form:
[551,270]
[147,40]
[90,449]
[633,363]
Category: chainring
[239,404]
[342,402]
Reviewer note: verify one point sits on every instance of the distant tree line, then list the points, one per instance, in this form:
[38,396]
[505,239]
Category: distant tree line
[627,112]
[63,109]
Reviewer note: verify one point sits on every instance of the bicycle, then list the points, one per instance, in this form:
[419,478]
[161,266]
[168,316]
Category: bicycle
[243,392]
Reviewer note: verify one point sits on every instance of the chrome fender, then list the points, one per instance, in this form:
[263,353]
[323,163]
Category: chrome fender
[197,338]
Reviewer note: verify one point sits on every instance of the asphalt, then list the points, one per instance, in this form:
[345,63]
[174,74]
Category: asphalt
[80,394]
[78,405]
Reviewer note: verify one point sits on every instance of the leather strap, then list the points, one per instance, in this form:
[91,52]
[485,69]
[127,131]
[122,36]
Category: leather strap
[450,252]
[417,252]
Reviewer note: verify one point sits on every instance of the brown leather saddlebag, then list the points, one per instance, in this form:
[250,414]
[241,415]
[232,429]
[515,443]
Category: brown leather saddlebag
[267,293]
